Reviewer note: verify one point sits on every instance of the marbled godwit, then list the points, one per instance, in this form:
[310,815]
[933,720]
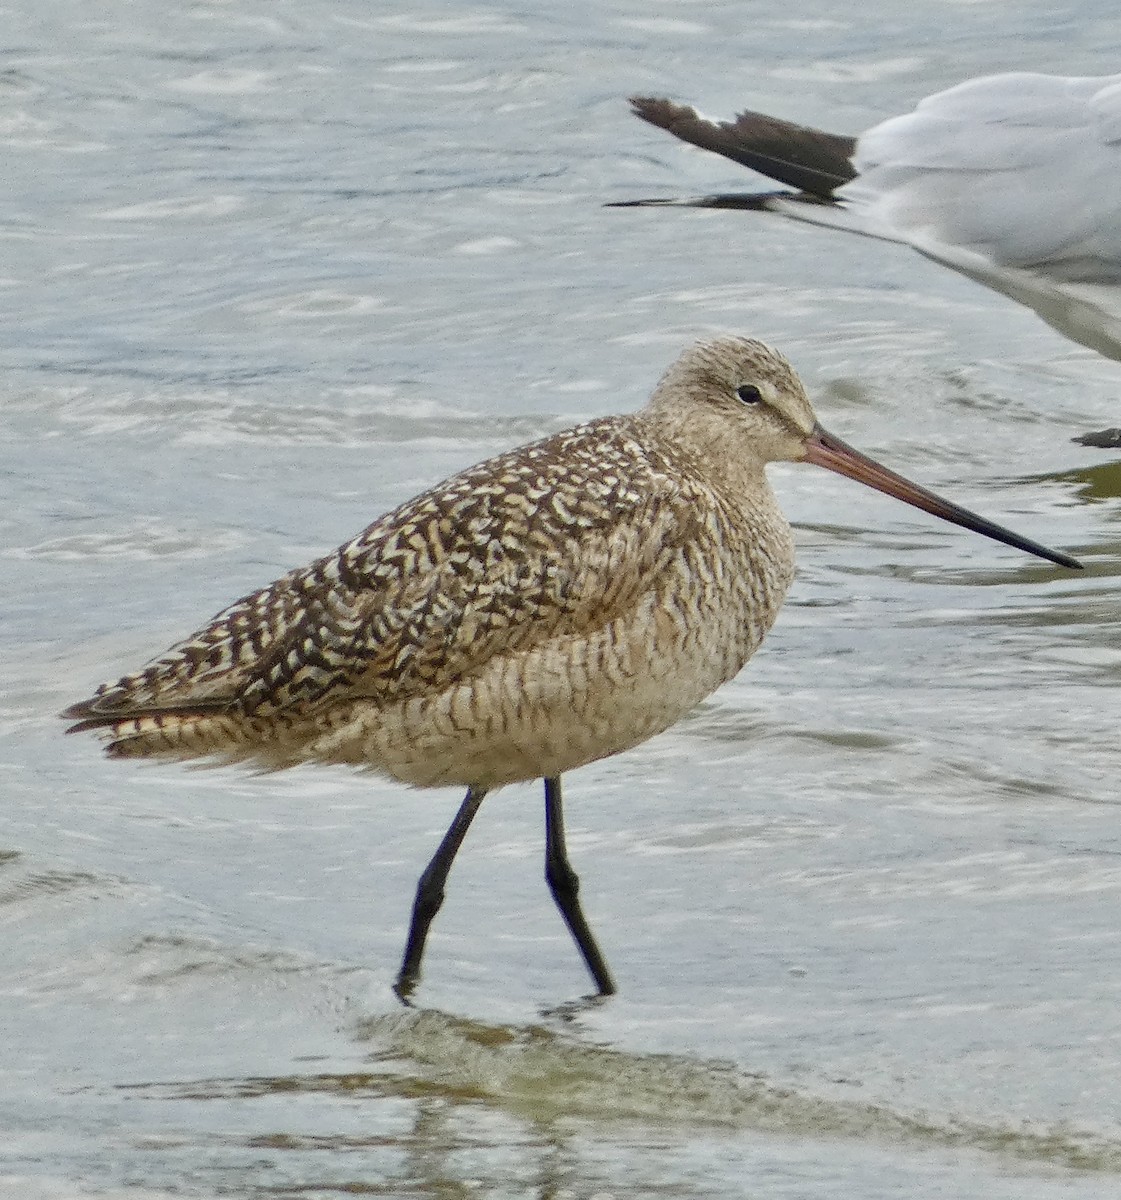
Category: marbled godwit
[551,606]
[1009,179]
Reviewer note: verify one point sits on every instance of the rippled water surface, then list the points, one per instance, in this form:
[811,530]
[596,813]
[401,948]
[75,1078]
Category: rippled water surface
[269,269]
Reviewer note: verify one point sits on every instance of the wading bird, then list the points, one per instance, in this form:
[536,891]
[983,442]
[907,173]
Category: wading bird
[551,606]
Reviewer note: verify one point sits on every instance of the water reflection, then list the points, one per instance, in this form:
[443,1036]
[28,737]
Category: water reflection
[1095,482]
[559,1088]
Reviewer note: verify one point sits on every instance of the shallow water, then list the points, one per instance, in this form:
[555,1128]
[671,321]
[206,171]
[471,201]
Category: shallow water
[270,269]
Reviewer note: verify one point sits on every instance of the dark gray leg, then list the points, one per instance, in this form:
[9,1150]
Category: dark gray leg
[430,891]
[565,886]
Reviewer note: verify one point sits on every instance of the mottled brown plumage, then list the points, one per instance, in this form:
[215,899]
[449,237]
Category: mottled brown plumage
[481,633]
[551,606]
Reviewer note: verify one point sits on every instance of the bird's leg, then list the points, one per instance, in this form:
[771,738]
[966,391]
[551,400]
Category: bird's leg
[430,891]
[565,886]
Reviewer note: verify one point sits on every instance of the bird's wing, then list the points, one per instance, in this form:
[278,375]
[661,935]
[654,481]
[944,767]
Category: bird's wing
[808,159]
[550,540]
[812,161]
[1020,170]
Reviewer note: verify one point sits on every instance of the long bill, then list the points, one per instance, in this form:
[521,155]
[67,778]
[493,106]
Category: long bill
[825,450]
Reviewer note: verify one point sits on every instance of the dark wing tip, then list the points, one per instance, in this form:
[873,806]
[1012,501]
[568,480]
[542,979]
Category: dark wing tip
[682,120]
[85,726]
[658,108]
[99,712]
[811,160]
[90,714]
[83,710]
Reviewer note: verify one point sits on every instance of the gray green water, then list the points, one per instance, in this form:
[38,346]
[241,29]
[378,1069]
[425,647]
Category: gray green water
[270,268]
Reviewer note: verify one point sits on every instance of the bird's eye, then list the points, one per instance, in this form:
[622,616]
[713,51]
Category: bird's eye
[749,393]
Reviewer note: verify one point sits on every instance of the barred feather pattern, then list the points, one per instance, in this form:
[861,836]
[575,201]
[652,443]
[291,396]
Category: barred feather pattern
[550,606]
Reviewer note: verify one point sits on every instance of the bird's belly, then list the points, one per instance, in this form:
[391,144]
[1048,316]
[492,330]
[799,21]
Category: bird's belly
[555,707]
